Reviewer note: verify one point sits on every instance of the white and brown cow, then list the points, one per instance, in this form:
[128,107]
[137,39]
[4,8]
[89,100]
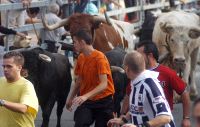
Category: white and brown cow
[177,34]
[105,36]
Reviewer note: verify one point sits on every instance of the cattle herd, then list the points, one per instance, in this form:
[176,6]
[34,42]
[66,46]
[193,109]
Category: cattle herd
[176,34]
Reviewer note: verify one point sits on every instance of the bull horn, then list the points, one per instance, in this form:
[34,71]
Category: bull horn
[54,26]
[45,58]
[107,18]
[99,19]
[117,69]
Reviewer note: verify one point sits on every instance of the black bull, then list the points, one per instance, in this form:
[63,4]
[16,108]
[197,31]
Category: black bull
[52,81]
[115,58]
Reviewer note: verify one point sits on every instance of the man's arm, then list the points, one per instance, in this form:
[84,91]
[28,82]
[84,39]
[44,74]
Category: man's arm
[76,87]
[15,107]
[125,105]
[186,109]
[159,121]
[73,93]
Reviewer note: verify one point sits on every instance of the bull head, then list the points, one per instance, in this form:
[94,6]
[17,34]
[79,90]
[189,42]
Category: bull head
[167,28]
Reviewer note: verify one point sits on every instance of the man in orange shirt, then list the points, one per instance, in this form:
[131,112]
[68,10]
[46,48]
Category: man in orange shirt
[94,88]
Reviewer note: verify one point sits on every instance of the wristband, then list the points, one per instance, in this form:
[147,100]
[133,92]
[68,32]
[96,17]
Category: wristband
[124,120]
[2,102]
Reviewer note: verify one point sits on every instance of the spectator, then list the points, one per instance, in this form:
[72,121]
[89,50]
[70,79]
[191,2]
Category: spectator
[132,16]
[196,112]
[93,90]
[15,17]
[86,6]
[32,15]
[67,10]
[51,37]
[148,106]
[18,100]
[168,79]
[110,4]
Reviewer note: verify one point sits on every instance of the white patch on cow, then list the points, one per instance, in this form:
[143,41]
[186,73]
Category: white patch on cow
[126,32]
[109,43]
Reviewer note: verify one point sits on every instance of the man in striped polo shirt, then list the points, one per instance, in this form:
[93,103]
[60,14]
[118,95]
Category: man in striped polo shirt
[148,105]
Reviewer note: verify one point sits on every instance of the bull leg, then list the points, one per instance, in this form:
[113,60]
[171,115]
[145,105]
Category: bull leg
[117,100]
[60,106]
[61,100]
[193,87]
[47,108]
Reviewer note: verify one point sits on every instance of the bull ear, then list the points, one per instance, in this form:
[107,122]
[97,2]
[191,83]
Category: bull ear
[167,28]
[194,33]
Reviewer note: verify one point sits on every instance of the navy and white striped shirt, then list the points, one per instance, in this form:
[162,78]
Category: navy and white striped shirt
[147,99]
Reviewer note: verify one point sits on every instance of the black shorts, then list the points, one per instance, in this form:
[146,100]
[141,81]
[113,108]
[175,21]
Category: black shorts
[99,111]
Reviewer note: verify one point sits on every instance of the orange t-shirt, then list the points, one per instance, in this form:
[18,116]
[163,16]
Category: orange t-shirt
[89,68]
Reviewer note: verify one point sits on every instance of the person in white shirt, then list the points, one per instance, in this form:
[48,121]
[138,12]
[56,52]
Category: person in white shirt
[51,37]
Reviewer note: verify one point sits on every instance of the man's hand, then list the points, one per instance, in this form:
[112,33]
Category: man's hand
[79,100]
[186,123]
[116,122]
[69,105]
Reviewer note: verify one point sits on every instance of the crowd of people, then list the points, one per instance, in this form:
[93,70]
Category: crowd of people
[149,95]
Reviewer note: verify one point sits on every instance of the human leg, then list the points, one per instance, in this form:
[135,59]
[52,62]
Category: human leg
[83,117]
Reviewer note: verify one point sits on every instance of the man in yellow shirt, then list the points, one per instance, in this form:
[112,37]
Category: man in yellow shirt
[18,100]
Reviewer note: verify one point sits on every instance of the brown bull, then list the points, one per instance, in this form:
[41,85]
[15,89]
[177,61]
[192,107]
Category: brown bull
[105,37]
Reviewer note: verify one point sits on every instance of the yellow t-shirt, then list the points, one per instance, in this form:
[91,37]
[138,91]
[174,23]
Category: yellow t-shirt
[21,91]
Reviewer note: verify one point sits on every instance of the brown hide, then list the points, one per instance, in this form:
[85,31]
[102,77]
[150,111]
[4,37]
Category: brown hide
[103,34]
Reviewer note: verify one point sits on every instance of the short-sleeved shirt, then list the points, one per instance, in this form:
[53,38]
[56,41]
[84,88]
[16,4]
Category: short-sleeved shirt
[21,91]
[147,99]
[89,68]
[169,82]
[56,34]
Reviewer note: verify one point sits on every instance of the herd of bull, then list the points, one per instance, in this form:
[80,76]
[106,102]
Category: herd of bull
[176,34]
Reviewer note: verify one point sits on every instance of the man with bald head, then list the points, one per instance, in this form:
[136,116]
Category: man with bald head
[148,105]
